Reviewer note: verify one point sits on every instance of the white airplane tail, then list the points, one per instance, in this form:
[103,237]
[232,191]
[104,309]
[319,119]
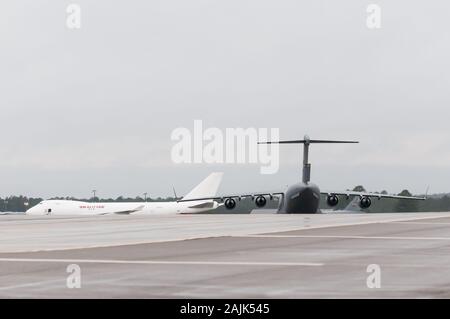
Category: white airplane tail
[207,188]
[353,206]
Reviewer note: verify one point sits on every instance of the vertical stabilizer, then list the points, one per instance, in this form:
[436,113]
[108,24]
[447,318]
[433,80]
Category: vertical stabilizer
[306,175]
[207,188]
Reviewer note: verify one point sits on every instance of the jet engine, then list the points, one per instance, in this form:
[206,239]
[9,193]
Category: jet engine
[332,200]
[230,203]
[260,201]
[365,202]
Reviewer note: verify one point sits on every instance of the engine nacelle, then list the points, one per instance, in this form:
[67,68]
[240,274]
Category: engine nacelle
[365,202]
[260,201]
[332,200]
[230,203]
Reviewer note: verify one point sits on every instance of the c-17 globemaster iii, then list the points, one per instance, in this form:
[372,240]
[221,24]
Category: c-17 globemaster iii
[302,197]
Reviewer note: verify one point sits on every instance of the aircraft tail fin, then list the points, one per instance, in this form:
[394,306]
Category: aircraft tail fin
[207,188]
[306,143]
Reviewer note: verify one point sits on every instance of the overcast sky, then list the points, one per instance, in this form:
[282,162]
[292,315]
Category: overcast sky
[95,107]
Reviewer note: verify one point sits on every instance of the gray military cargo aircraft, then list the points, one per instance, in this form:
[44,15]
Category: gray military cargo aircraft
[303,197]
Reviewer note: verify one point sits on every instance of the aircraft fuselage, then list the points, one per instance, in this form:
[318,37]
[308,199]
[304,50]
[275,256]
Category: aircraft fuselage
[301,198]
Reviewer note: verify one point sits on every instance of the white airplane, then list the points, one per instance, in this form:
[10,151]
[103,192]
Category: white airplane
[207,188]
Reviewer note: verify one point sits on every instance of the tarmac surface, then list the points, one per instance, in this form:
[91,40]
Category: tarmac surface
[226,256]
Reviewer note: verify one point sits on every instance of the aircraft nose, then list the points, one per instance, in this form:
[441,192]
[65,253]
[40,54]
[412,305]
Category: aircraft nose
[31,211]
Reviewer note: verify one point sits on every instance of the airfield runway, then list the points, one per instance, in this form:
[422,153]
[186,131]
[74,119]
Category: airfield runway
[226,256]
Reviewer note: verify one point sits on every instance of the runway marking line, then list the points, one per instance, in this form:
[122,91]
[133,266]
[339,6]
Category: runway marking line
[345,237]
[159,262]
[28,285]
[417,223]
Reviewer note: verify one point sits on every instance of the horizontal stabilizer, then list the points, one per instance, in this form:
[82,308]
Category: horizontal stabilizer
[308,142]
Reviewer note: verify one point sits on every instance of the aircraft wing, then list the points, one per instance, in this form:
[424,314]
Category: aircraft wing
[273,194]
[349,194]
[234,196]
[127,212]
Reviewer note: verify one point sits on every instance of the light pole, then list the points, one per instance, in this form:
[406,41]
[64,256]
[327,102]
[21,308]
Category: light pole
[94,191]
[145,197]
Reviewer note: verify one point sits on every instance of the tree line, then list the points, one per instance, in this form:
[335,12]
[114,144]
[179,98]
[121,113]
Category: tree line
[432,204]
